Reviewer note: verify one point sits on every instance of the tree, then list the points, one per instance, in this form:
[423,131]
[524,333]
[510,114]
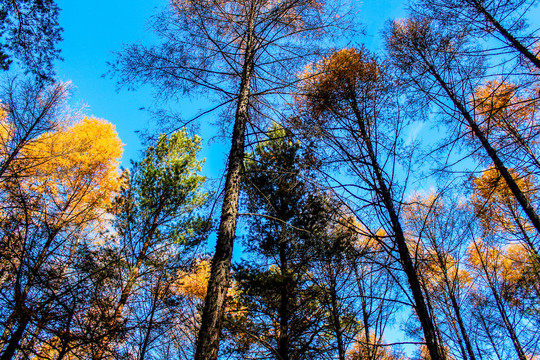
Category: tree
[345,100]
[156,216]
[30,109]
[508,115]
[440,227]
[239,50]
[497,209]
[29,32]
[504,21]
[51,201]
[377,294]
[284,305]
[439,64]
[488,262]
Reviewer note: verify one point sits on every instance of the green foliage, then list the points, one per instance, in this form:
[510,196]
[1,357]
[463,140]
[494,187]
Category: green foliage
[282,301]
[164,191]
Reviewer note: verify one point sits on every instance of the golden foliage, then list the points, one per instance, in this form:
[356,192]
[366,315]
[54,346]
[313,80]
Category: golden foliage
[503,108]
[430,233]
[338,78]
[74,170]
[511,267]
[195,282]
[50,350]
[373,349]
[494,202]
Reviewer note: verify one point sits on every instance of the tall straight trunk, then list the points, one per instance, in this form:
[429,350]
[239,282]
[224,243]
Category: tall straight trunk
[336,318]
[492,342]
[500,307]
[514,42]
[385,196]
[218,284]
[150,324]
[284,306]
[492,153]
[459,319]
[454,305]
[21,314]
[370,348]
[112,326]
[16,337]
[457,333]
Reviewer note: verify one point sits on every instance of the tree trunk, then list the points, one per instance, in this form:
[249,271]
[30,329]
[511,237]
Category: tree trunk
[492,342]
[335,313]
[112,326]
[370,348]
[218,284]
[385,196]
[284,306]
[459,319]
[14,340]
[515,43]
[500,307]
[150,324]
[492,153]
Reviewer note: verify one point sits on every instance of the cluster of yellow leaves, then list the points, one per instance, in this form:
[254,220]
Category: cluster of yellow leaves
[338,77]
[363,349]
[509,266]
[438,265]
[424,352]
[494,202]
[441,267]
[195,282]
[502,108]
[49,351]
[76,168]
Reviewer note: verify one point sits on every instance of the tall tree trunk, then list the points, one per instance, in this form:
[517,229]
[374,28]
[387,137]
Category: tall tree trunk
[454,304]
[515,43]
[15,338]
[218,284]
[335,313]
[150,324]
[492,153]
[500,307]
[459,319]
[112,326]
[370,348]
[492,342]
[385,196]
[284,306]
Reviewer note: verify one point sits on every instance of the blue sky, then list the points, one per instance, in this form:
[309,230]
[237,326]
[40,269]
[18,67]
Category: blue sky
[94,30]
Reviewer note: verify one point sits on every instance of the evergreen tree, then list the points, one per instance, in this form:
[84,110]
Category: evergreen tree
[276,287]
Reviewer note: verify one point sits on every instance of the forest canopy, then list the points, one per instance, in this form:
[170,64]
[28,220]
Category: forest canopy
[376,202]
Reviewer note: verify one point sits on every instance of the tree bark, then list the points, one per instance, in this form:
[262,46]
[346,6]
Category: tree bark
[15,338]
[284,306]
[218,284]
[515,43]
[457,312]
[383,192]
[335,313]
[492,153]
[500,307]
